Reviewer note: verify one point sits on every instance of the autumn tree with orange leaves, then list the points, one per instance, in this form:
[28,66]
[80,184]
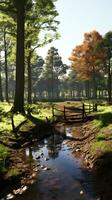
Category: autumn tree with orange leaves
[88,58]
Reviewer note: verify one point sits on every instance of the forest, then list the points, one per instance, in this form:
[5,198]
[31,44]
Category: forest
[90,74]
[55,118]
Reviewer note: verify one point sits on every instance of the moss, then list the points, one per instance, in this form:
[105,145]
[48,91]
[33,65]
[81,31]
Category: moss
[13,172]
[100,137]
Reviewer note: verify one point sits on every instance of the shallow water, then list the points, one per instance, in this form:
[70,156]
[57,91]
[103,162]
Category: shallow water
[61,176]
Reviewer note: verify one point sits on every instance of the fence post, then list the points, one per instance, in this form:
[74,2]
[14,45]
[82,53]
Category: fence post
[83,111]
[64,113]
[95,107]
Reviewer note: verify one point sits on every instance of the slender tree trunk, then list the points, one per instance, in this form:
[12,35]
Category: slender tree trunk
[1,94]
[6,69]
[52,87]
[29,80]
[94,85]
[57,88]
[99,93]
[94,88]
[87,89]
[109,82]
[19,89]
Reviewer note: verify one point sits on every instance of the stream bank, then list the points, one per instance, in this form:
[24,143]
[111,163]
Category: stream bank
[98,161]
[59,174]
[66,160]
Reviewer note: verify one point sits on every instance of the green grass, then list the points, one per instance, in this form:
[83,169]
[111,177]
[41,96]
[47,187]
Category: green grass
[103,121]
[41,110]
[18,118]
[5,106]
[100,147]
[103,117]
[5,118]
[43,113]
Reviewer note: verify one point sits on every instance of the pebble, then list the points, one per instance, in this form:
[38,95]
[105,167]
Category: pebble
[77,150]
[20,190]
[16,191]
[81,192]
[10,196]
[36,169]
[46,168]
[38,157]
[46,159]
[24,188]
[33,175]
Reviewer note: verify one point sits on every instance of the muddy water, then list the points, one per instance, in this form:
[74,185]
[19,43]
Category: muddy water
[61,176]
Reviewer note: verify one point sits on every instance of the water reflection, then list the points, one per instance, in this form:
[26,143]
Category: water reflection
[54,145]
[65,179]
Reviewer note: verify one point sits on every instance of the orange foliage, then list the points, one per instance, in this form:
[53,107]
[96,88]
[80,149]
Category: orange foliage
[87,59]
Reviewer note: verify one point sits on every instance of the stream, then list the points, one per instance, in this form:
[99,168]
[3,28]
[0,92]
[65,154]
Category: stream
[61,176]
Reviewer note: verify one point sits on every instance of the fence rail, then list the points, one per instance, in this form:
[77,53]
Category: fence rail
[74,113]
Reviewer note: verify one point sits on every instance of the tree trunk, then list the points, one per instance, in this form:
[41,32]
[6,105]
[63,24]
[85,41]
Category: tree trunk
[6,70]
[29,80]
[94,85]
[19,89]
[109,83]
[1,94]
[57,88]
[87,89]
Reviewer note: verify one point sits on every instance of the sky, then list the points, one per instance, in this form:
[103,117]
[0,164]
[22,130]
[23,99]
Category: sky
[77,17]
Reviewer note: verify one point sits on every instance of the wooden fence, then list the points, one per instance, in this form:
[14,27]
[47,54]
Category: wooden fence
[73,113]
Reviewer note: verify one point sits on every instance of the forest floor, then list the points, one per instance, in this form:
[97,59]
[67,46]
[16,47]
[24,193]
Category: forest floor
[93,145]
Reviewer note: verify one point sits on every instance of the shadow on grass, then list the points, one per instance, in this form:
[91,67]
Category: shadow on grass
[105,119]
[30,132]
[2,115]
[41,127]
[35,120]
